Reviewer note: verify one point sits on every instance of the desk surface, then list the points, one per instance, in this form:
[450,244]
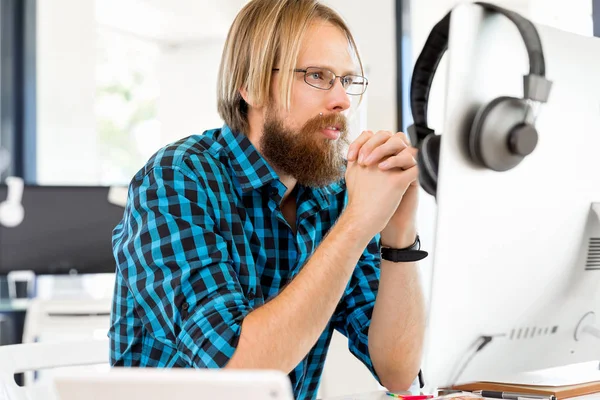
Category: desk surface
[382,396]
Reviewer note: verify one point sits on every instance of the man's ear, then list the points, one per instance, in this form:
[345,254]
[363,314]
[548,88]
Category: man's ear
[246,97]
[250,101]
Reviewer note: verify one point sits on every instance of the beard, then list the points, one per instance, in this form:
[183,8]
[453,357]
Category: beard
[305,154]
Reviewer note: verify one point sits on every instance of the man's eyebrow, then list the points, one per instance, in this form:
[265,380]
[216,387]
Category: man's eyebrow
[351,71]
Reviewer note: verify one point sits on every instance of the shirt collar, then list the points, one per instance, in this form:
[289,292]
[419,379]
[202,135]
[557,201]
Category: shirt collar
[254,172]
[251,169]
[324,194]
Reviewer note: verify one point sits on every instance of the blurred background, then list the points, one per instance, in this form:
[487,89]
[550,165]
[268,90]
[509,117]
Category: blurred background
[90,89]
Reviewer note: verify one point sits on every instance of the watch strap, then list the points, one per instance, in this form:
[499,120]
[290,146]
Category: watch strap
[398,255]
[407,254]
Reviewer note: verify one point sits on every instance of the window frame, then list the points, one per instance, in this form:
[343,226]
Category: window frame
[18,81]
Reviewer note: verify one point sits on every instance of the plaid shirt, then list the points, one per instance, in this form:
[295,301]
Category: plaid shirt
[203,243]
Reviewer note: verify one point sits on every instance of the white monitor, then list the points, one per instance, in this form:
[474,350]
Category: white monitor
[163,383]
[517,253]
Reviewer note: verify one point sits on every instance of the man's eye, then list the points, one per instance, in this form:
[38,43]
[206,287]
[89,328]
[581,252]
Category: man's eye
[316,75]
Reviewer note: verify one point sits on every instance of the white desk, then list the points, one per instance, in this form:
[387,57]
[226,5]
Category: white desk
[564,375]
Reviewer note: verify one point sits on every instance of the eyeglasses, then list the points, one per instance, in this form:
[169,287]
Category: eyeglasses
[324,79]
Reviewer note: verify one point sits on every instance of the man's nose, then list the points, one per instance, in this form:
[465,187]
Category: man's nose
[338,99]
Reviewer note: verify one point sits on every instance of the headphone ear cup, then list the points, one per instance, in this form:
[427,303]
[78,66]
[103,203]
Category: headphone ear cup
[476,128]
[497,125]
[428,163]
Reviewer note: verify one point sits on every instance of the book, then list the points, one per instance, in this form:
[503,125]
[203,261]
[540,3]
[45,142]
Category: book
[563,382]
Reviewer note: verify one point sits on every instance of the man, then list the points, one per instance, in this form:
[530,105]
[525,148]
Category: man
[245,247]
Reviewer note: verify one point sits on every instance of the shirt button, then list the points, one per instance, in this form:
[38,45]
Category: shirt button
[251,296]
[273,192]
[185,306]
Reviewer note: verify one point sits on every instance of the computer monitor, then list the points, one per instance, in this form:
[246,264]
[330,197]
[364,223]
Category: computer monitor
[66,229]
[516,256]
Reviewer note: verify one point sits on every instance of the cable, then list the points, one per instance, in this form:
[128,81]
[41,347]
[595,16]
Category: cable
[480,343]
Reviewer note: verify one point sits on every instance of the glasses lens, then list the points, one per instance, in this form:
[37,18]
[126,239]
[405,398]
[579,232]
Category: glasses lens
[355,84]
[319,77]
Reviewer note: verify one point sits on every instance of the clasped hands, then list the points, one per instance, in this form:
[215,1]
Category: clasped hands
[382,178]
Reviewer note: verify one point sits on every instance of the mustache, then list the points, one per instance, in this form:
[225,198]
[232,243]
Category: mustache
[322,121]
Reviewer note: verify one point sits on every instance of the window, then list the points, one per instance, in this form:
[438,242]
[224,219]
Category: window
[17,81]
[127,90]
[118,79]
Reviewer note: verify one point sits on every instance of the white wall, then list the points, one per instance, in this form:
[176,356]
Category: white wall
[575,17]
[188,80]
[66,90]
[373,26]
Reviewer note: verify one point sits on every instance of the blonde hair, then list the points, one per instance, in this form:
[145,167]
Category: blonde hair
[267,33]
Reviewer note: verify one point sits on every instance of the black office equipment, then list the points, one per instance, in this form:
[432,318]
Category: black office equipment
[66,229]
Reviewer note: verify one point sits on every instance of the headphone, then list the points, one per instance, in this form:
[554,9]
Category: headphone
[503,131]
[11,209]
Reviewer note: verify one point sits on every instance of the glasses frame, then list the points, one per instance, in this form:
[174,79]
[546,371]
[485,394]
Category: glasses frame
[341,77]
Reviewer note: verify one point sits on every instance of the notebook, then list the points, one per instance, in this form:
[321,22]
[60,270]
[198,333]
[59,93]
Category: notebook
[561,392]
[562,382]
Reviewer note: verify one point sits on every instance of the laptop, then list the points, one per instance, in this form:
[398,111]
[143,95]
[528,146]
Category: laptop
[162,383]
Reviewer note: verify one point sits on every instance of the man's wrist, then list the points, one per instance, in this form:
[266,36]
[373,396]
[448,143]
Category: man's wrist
[403,239]
[410,246]
[411,253]
[355,227]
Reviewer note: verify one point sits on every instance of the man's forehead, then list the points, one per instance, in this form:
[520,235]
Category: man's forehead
[327,46]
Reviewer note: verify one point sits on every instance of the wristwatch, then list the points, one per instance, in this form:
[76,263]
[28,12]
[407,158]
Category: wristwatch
[407,254]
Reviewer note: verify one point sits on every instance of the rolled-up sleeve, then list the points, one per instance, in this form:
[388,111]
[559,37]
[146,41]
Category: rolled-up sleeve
[352,317]
[178,268]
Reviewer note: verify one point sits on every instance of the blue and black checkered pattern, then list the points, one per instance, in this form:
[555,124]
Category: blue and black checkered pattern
[203,243]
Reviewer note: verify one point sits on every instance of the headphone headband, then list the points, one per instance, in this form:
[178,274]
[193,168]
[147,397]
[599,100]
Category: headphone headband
[536,86]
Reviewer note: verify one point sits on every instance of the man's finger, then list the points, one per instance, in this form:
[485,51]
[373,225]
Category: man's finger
[374,141]
[390,148]
[357,144]
[412,174]
[403,160]
[404,137]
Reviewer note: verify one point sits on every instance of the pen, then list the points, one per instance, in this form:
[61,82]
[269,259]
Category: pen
[510,395]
